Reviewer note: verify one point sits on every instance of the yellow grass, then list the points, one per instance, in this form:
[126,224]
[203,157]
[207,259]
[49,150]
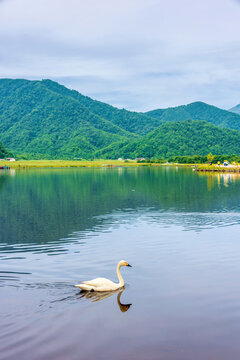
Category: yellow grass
[25,164]
[66,163]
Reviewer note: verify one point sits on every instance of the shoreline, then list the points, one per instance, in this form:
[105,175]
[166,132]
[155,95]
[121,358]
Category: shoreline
[41,164]
[28,164]
[218,169]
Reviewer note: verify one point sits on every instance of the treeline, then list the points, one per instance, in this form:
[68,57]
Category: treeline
[196,159]
[3,152]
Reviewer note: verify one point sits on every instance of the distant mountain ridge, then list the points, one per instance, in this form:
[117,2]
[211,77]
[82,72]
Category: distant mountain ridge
[44,119]
[235,109]
[198,111]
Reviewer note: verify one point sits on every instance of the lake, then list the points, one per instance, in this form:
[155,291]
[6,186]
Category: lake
[178,229]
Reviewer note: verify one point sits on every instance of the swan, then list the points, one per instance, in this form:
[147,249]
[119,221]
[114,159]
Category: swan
[102,284]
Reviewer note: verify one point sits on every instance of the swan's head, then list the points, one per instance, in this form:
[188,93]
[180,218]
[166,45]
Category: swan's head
[124,263]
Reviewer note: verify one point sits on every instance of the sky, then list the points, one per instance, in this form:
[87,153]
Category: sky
[134,54]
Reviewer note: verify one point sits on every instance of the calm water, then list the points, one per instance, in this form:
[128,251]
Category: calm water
[180,231]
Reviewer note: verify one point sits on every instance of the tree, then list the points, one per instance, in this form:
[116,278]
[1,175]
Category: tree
[210,157]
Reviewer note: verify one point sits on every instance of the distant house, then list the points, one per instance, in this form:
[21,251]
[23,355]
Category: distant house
[10,159]
[140,159]
[120,159]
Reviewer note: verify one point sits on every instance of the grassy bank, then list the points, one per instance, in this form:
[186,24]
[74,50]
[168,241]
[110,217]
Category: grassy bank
[219,168]
[25,164]
[65,163]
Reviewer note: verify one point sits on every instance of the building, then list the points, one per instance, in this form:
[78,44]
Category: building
[140,159]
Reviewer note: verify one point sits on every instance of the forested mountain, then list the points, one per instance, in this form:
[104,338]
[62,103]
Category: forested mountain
[44,119]
[188,137]
[198,111]
[36,120]
[235,109]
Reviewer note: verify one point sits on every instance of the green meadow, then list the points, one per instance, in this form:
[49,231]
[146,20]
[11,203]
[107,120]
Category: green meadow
[66,163]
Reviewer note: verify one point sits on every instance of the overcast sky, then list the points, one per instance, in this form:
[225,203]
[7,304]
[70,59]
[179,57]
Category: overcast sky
[136,54]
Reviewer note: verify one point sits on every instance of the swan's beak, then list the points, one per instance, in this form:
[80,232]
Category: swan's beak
[129,265]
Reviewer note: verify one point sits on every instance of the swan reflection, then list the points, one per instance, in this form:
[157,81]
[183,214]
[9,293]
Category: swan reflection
[94,296]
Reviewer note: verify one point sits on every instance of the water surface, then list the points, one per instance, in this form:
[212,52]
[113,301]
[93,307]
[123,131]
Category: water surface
[180,231]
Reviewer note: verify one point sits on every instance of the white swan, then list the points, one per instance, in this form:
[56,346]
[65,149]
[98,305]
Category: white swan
[102,284]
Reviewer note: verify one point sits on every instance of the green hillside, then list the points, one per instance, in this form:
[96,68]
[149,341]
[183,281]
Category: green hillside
[3,152]
[37,120]
[198,111]
[235,109]
[130,121]
[189,137]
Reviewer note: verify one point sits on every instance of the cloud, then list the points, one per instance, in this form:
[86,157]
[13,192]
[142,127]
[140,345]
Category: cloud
[139,55]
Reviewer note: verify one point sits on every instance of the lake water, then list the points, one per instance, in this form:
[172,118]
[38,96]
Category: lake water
[177,228]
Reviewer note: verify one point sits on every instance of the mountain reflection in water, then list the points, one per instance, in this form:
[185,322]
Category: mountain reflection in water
[179,228]
[41,206]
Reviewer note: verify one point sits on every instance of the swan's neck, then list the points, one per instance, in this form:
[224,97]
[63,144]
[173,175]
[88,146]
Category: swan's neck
[121,281]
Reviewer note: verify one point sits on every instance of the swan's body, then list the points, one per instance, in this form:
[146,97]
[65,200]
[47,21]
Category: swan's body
[102,284]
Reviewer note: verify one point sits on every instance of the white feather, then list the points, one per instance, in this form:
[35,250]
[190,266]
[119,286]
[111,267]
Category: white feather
[102,284]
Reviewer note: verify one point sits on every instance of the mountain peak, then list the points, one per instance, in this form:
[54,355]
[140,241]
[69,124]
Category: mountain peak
[198,110]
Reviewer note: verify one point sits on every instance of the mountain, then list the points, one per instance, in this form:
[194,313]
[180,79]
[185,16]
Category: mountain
[198,111]
[3,152]
[43,119]
[188,137]
[40,118]
[235,109]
